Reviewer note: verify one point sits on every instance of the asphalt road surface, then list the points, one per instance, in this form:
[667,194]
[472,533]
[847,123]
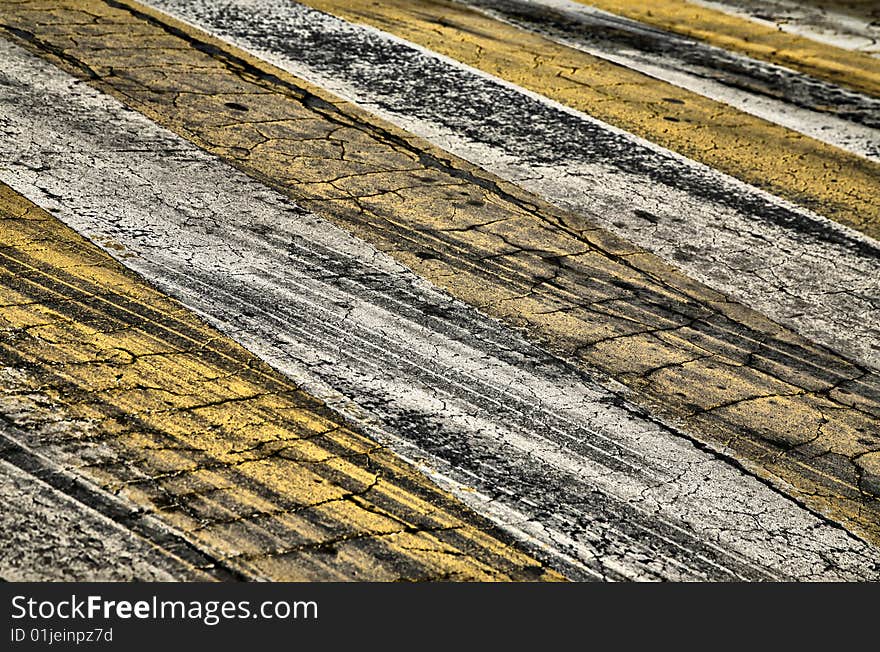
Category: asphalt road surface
[426,290]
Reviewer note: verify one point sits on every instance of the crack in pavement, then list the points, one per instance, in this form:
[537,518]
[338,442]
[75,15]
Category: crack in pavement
[561,459]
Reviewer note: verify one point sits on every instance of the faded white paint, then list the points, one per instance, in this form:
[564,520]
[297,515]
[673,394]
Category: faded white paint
[826,128]
[560,461]
[822,290]
[824,24]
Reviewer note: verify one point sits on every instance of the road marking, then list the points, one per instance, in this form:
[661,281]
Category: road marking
[199,433]
[843,24]
[547,452]
[800,269]
[834,183]
[797,414]
[856,70]
[47,536]
[817,109]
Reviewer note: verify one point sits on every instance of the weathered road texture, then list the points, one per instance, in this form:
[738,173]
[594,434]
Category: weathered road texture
[250,476]
[795,267]
[799,415]
[850,24]
[815,108]
[834,183]
[599,488]
[856,70]
[49,536]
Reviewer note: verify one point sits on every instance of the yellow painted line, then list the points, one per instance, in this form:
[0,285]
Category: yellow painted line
[856,70]
[210,440]
[800,416]
[837,184]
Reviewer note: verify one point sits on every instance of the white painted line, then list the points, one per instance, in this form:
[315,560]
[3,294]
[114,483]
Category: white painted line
[817,277]
[821,24]
[503,425]
[704,79]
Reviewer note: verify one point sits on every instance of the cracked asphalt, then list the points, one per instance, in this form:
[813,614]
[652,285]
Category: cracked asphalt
[734,238]
[522,290]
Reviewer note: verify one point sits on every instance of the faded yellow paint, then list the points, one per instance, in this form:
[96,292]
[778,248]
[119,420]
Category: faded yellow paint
[193,429]
[728,375]
[837,184]
[856,70]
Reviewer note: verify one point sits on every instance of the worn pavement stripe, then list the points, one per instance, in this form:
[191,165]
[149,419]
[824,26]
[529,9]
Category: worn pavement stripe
[817,109]
[154,406]
[802,417]
[26,415]
[856,70]
[547,452]
[797,268]
[47,536]
[848,24]
[837,184]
